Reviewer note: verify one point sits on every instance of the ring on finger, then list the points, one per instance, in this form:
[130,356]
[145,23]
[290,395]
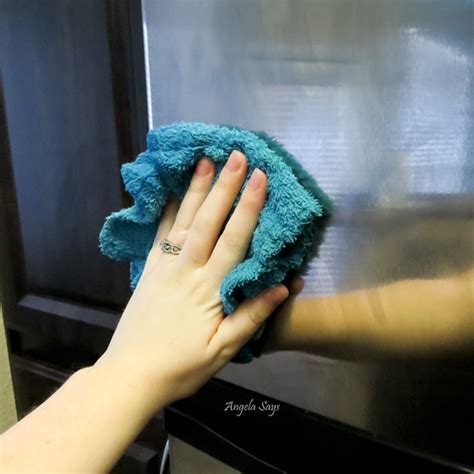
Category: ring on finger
[169,247]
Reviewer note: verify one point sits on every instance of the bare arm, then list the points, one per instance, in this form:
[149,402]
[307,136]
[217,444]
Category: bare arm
[409,318]
[84,426]
[171,338]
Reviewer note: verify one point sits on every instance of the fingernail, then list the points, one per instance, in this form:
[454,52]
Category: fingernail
[235,161]
[203,167]
[256,179]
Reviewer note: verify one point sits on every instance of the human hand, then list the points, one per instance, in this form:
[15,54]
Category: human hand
[173,333]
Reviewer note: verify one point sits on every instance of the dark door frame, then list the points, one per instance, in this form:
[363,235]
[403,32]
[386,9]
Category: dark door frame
[21,308]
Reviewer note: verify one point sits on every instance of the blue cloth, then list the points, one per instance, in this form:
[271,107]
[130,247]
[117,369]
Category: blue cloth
[291,222]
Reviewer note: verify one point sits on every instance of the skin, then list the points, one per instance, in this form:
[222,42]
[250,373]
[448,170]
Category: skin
[171,338]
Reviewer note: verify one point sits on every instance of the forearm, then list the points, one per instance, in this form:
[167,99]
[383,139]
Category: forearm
[411,318]
[85,426]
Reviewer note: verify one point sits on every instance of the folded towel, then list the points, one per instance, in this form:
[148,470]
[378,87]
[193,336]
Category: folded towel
[291,222]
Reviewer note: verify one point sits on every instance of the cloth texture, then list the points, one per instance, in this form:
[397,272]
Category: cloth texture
[291,224]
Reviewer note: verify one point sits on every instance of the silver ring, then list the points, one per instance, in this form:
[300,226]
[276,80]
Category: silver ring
[169,247]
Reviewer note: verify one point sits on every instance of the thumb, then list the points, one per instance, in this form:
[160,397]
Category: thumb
[237,328]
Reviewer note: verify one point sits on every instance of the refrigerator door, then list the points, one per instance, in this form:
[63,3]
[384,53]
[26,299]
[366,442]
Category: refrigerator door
[376,99]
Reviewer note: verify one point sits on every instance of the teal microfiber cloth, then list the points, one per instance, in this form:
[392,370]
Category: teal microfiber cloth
[291,223]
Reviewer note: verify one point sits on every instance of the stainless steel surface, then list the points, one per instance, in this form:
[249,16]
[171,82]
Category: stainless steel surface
[185,459]
[376,99]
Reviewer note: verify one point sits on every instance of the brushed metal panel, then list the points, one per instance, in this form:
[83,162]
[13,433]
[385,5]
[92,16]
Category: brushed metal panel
[376,99]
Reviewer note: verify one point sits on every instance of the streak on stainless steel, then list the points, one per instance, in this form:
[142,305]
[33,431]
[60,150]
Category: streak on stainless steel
[377,100]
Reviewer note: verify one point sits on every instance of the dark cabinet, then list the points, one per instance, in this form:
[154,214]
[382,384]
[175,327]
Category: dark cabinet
[72,110]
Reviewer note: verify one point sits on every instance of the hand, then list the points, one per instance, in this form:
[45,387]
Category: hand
[173,333]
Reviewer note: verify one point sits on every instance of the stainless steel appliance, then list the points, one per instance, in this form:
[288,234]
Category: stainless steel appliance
[376,98]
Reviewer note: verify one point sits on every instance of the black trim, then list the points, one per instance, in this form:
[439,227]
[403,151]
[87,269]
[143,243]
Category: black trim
[127,57]
[292,440]
[128,76]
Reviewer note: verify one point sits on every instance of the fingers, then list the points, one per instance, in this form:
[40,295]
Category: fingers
[166,223]
[197,192]
[236,329]
[210,217]
[234,241]
[168,218]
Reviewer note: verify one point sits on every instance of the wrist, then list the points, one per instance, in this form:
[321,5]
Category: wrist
[139,391]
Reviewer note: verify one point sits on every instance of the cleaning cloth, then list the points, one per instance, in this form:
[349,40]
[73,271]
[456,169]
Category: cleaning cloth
[291,223]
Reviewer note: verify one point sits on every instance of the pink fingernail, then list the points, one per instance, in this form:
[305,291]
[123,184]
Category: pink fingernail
[235,161]
[256,179]
[203,167]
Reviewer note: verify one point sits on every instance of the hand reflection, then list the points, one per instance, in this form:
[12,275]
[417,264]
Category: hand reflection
[416,318]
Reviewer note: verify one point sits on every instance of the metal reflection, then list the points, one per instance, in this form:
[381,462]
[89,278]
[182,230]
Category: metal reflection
[376,100]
